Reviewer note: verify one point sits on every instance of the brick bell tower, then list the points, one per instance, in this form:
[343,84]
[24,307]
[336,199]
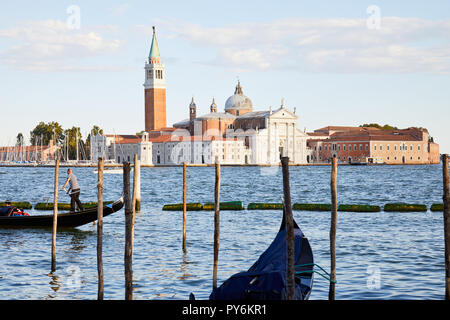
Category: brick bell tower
[155,90]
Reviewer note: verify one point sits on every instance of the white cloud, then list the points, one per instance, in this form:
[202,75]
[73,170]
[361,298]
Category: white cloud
[51,46]
[327,45]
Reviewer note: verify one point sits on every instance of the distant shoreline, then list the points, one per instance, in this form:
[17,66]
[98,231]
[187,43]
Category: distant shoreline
[209,165]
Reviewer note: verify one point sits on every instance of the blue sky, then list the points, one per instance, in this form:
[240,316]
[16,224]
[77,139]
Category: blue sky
[324,57]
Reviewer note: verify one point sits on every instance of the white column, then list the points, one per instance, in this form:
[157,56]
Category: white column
[293,143]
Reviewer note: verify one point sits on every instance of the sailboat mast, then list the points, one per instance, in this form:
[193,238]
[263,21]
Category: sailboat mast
[76,140]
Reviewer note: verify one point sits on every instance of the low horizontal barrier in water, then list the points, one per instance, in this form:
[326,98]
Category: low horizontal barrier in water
[238,205]
[404,207]
[230,205]
[437,207]
[22,205]
[66,206]
[179,207]
[315,207]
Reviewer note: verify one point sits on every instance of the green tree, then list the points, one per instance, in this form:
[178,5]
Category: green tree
[19,139]
[376,125]
[44,132]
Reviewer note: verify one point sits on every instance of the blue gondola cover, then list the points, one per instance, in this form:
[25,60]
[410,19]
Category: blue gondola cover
[266,279]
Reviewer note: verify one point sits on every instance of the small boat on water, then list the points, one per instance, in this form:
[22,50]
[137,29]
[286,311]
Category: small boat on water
[266,279]
[65,220]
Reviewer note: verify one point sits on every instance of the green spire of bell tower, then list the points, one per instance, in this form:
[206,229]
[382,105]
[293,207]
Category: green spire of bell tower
[154,50]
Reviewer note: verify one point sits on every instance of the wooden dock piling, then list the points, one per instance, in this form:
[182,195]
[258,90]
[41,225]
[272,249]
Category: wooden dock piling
[100,229]
[216,223]
[55,215]
[184,205]
[136,188]
[446,198]
[333,228]
[128,232]
[137,177]
[290,245]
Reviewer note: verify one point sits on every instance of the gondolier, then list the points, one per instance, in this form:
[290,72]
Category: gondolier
[73,191]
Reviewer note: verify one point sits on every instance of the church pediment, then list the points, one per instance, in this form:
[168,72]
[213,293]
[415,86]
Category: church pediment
[283,113]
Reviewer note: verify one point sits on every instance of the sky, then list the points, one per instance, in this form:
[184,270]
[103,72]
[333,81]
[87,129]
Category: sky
[81,63]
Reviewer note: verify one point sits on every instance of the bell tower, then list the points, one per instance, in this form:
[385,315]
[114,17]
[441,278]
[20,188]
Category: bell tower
[155,89]
[192,116]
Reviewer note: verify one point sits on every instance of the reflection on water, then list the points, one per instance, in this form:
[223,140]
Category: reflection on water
[379,255]
[55,283]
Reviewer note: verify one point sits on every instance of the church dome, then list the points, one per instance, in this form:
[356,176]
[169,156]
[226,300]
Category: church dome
[238,101]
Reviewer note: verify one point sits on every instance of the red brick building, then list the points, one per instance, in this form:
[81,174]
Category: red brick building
[372,145]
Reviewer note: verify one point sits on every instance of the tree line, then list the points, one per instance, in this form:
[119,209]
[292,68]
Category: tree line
[376,125]
[66,138]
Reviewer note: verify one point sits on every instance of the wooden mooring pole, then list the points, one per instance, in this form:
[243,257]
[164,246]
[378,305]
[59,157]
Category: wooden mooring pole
[100,229]
[137,177]
[216,223]
[184,205]
[333,228]
[55,215]
[290,245]
[446,198]
[128,232]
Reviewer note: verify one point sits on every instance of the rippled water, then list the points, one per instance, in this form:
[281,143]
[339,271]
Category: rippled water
[379,255]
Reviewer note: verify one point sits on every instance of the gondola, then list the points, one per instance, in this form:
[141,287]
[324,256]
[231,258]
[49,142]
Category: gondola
[266,279]
[65,220]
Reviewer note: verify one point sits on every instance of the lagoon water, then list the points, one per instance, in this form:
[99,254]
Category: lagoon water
[379,255]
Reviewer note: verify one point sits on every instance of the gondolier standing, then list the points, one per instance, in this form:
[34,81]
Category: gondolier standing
[74,189]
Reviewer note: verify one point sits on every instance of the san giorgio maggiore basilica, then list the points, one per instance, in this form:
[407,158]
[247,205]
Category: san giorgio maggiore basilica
[239,135]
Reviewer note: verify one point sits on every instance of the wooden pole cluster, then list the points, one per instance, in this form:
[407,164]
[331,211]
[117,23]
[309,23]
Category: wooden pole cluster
[290,244]
[100,229]
[128,232]
[333,228]
[216,223]
[55,215]
[446,198]
[184,205]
